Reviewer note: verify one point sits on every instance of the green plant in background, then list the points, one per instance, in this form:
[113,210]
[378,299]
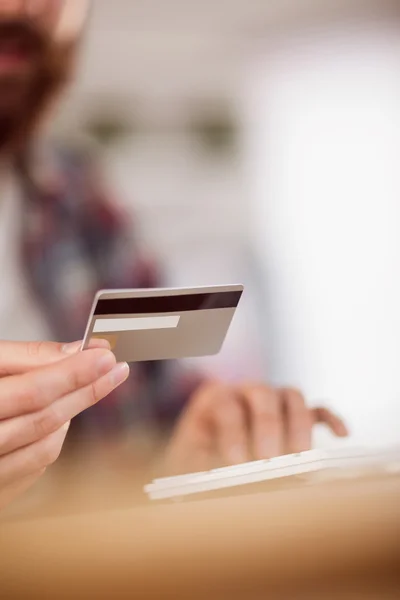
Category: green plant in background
[217,134]
[108,130]
[214,132]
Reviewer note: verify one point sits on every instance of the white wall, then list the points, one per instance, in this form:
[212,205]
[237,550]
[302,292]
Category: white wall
[323,156]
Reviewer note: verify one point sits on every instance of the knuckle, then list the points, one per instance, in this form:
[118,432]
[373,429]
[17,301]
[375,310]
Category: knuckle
[261,388]
[302,423]
[263,402]
[295,396]
[226,408]
[72,379]
[228,419]
[46,423]
[225,402]
[7,440]
[92,395]
[34,349]
[210,395]
[82,371]
[256,392]
[210,388]
[271,423]
[295,404]
[265,410]
[29,397]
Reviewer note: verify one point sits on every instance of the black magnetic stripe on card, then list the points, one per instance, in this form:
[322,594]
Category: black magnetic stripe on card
[167,304]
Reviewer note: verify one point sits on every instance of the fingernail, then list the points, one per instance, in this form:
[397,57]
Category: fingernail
[71,348]
[119,374]
[106,363]
[66,426]
[99,343]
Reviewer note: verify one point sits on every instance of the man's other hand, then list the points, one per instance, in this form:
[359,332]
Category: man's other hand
[227,425]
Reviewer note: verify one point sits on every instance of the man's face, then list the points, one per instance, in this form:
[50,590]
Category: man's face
[36,42]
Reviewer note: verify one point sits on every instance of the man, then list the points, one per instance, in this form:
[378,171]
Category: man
[62,241]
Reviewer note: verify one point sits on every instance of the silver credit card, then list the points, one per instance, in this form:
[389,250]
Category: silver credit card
[163,324]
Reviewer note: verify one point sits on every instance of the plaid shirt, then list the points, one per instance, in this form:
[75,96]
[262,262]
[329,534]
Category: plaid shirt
[76,241]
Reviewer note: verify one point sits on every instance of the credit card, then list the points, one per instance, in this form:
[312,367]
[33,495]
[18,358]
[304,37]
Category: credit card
[163,324]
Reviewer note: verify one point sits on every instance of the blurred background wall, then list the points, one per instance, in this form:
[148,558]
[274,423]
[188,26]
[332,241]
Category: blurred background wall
[258,141]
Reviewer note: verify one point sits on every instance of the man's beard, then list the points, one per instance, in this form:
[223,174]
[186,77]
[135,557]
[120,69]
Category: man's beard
[25,96]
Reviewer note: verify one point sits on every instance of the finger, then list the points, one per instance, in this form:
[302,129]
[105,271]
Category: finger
[19,357]
[27,429]
[33,391]
[188,451]
[75,347]
[298,422]
[192,444]
[31,459]
[327,417]
[267,432]
[9,493]
[231,427]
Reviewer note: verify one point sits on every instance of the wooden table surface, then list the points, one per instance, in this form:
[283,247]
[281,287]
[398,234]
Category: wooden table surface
[327,540]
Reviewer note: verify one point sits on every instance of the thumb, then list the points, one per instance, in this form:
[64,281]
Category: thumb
[331,420]
[17,358]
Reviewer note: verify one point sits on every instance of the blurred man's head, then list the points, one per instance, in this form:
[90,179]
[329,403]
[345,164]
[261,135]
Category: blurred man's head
[38,39]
